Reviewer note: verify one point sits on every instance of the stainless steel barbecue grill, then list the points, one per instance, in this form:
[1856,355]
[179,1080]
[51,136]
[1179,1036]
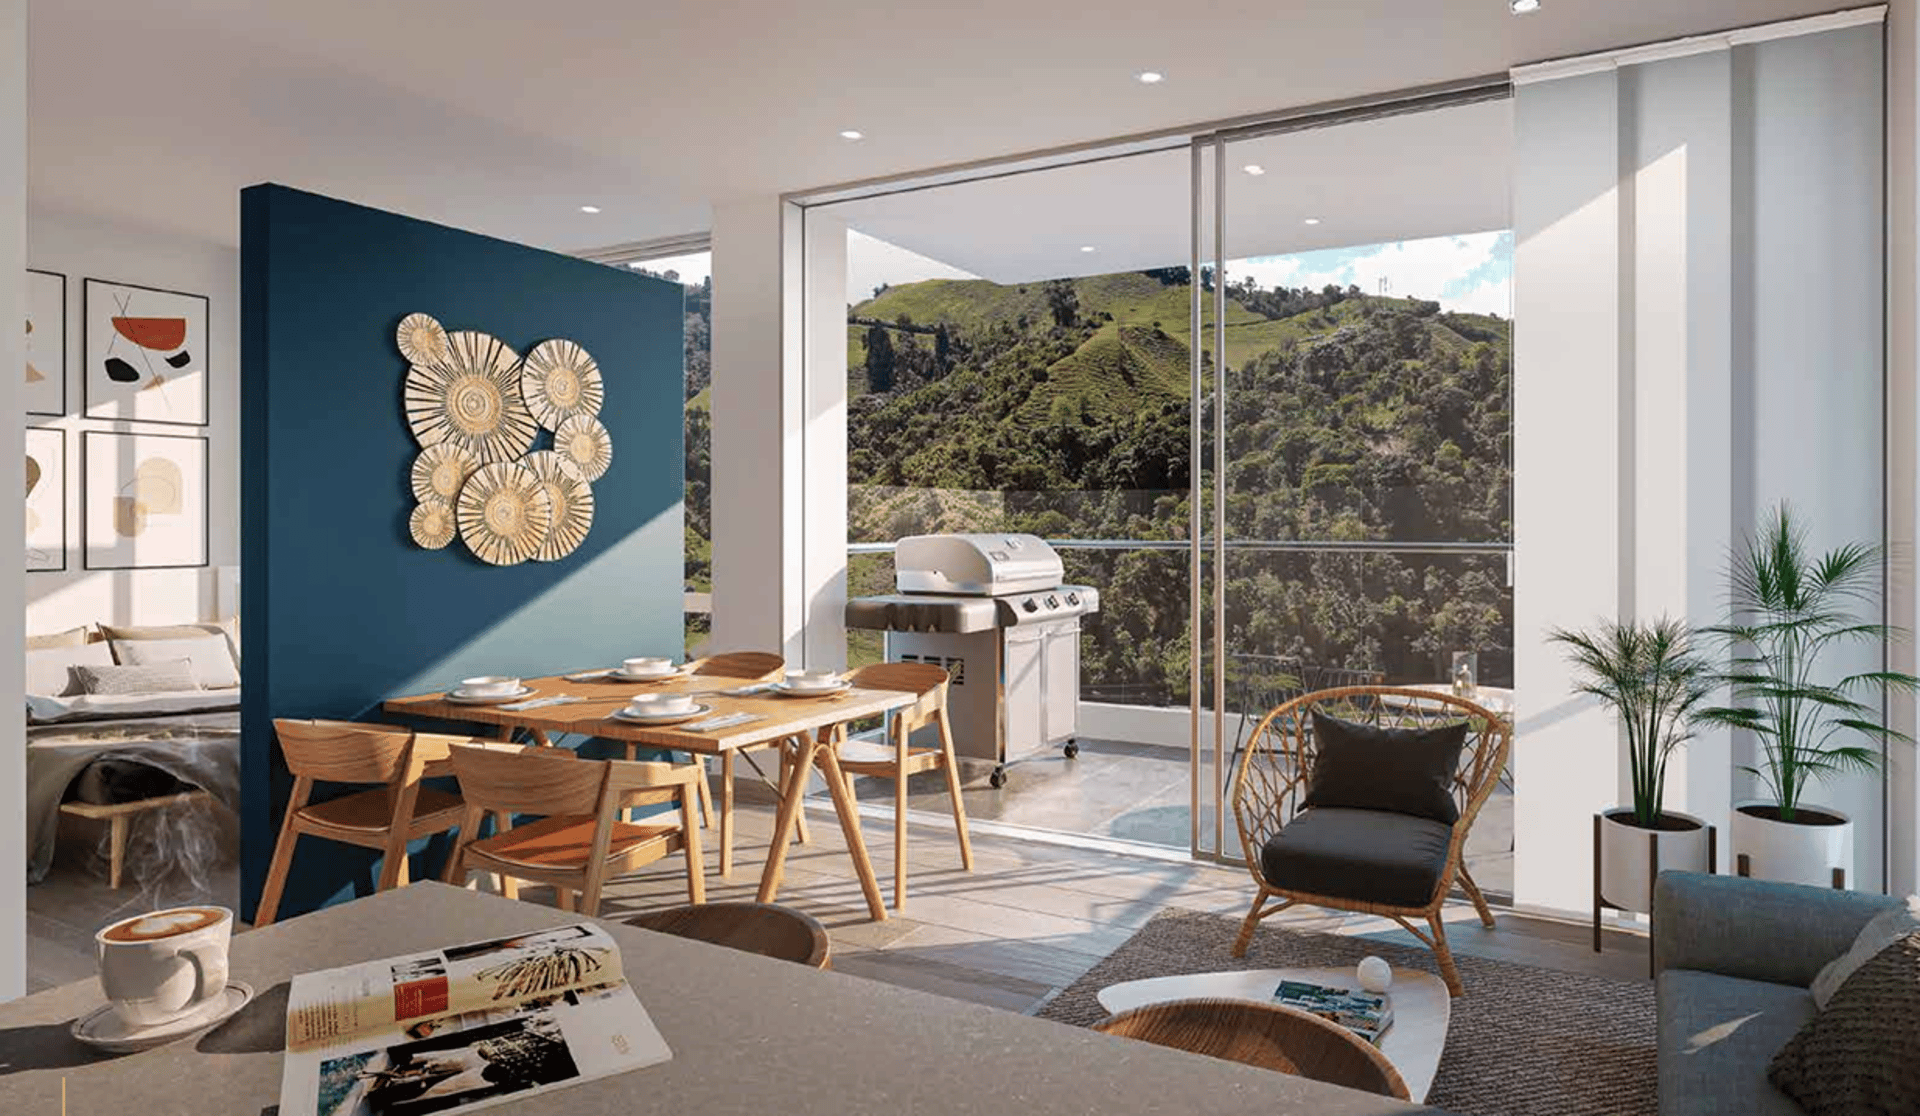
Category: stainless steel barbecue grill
[992,610]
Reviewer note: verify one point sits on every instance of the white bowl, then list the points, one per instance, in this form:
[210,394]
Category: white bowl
[646,665]
[812,679]
[652,705]
[490,685]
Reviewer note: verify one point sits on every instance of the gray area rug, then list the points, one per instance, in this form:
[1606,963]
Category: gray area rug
[1523,1041]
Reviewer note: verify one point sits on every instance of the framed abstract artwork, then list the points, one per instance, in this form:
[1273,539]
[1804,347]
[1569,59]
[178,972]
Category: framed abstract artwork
[145,498]
[45,392]
[146,354]
[46,500]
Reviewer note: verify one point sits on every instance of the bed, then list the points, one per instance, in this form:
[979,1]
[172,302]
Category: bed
[109,723]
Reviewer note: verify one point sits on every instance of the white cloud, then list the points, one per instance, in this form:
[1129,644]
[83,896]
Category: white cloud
[1472,274]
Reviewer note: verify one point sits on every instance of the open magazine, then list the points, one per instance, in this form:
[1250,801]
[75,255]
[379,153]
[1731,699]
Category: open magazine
[457,1029]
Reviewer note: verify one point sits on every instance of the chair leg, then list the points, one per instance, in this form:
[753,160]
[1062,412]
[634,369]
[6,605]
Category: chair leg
[706,794]
[116,850]
[696,860]
[899,831]
[508,887]
[726,814]
[1245,937]
[276,876]
[952,766]
[1444,954]
[563,898]
[1479,901]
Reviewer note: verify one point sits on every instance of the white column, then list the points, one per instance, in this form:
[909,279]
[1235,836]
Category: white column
[1567,464]
[779,432]
[1903,420]
[13,309]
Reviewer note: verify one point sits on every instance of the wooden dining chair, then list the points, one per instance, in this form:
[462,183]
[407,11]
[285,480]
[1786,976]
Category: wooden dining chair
[385,817]
[738,668]
[898,759]
[1270,1036]
[579,841]
[767,929]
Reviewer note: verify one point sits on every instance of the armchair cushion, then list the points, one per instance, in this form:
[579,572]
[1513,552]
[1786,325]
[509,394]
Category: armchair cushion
[1370,767]
[1365,856]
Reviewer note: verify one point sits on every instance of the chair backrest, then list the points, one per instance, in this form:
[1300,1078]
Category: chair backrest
[343,751]
[767,929]
[528,782]
[1270,1036]
[1276,765]
[929,680]
[752,666]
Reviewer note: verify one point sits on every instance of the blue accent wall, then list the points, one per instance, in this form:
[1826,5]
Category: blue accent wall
[340,609]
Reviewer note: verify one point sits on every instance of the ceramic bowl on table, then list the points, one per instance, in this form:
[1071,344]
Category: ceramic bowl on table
[661,708]
[489,685]
[811,683]
[646,669]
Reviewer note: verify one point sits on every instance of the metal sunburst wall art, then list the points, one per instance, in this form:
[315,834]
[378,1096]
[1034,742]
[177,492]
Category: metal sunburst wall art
[479,412]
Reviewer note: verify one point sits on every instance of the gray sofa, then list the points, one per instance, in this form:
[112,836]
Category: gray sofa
[1734,958]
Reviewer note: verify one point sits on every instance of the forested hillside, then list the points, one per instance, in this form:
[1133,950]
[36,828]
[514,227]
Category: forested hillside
[1061,408]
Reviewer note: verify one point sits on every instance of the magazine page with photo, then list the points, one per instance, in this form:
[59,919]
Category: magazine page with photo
[463,1028]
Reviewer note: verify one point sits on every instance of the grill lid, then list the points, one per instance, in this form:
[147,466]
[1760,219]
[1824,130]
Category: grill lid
[975,565]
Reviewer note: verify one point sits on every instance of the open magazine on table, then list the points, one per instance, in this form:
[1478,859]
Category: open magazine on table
[457,1029]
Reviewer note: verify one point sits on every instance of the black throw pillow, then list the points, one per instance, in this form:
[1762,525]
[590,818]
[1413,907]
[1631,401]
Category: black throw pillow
[1862,1054]
[1401,770]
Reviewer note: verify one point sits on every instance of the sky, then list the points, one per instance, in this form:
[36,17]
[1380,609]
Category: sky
[1471,273]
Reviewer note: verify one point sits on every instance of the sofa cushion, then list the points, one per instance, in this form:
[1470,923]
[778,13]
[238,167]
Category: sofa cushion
[1886,928]
[1371,767]
[1368,856]
[1862,1052]
[1716,1036]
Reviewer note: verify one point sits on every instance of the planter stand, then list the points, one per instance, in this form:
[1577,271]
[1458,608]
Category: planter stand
[1744,867]
[1653,875]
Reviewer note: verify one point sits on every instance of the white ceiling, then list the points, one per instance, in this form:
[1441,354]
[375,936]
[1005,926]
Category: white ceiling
[1403,178]
[504,116]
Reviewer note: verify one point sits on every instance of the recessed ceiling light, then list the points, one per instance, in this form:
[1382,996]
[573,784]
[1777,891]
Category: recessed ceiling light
[1150,77]
[851,134]
[589,209]
[1254,169]
[1313,220]
[1086,247]
[1522,7]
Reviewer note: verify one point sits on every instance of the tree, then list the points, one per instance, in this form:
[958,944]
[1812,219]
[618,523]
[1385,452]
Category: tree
[879,359]
[1063,302]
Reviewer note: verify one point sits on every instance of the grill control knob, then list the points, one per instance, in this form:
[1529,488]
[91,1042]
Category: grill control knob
[1029,605]
[1073,599]
[1053,601]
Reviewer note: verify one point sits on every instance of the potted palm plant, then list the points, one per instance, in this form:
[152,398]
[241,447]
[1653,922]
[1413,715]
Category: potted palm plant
[1654,682]
[1791,615]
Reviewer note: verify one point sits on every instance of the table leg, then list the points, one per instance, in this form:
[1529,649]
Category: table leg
[843,805]
[783,822]
[503,733]
[540,737]
[726,814]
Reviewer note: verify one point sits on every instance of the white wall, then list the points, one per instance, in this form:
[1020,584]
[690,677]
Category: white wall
[80,249]
[1903,409]
[13,308]
[1698,289]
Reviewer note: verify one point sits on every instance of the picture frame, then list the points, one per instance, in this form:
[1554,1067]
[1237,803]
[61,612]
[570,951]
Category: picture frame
[45,392]
[46,500]
[146,354]
[144,501]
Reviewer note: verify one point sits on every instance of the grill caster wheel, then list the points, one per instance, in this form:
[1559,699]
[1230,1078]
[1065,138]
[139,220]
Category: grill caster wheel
[1072,749]
[998,779]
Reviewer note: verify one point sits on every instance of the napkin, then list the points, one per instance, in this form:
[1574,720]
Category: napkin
[540,703]
[724,721]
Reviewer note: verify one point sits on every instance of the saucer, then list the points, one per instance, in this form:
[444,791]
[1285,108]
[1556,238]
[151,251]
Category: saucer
[600,675]
[661,718]
[619,675]
[103,1029]
[787,689]
[459,698]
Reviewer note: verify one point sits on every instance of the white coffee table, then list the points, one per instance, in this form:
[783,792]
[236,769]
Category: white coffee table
[1421,1008]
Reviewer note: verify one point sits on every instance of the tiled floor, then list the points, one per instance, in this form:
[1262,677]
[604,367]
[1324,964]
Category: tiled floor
[1029,920]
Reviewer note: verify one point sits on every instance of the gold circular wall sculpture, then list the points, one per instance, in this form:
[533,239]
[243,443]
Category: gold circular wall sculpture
[440,470]
[471,399]
[432,523]
[572,499]
[504,513]
[422,339]
[587,443]
[558,381]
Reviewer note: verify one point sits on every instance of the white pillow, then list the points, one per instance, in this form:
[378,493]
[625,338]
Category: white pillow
[94,707]
[212,661]
[1886,928]
[47,667]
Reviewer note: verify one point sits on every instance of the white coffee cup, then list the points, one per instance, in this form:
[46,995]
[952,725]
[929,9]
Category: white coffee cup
[646,665]
[811,679]
[648,705]
[490,685]
[159,966]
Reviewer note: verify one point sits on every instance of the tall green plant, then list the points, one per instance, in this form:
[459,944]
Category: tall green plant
[1654,682]
[1790,612]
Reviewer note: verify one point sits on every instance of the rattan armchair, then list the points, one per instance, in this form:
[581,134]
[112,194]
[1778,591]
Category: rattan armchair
[1272,774]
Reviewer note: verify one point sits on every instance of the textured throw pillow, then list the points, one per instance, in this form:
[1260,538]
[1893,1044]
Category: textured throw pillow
[149,632]
[1862,1054]
[1402,770]
[49,669]
[154,678]
[212,661]
[1885,929]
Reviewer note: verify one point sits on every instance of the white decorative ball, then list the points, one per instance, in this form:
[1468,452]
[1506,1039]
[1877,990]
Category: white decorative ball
[1375,974]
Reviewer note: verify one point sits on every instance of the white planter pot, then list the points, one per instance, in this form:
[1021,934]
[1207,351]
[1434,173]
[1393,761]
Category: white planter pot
[1626,868]
[1793,852]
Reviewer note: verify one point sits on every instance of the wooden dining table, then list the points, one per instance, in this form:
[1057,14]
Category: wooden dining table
[803,726]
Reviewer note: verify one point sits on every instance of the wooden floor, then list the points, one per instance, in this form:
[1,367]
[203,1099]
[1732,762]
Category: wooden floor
[1027,922]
